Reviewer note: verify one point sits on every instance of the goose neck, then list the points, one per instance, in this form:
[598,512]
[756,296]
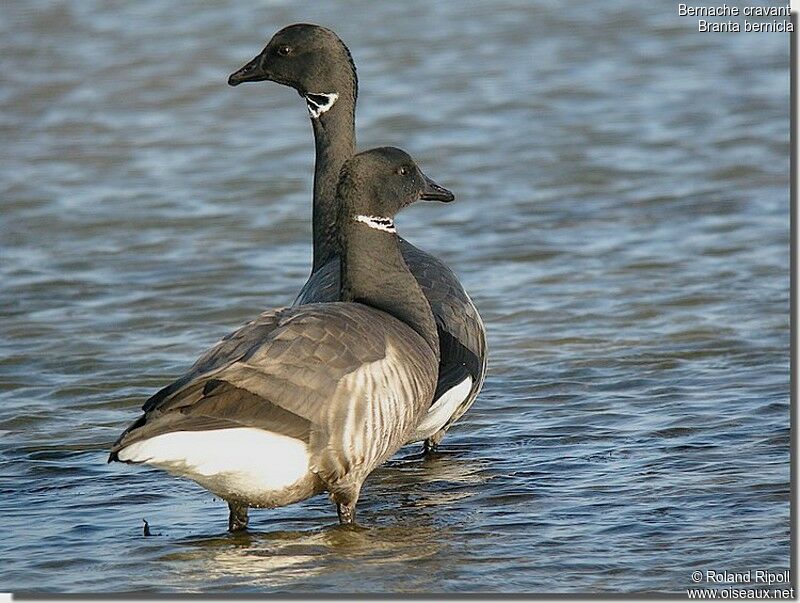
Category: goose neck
[373,272]
[334,139]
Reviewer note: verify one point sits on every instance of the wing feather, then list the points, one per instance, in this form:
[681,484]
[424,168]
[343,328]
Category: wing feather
[328,374]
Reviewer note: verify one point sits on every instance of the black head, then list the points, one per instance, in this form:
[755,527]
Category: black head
[386,180]
[309,58]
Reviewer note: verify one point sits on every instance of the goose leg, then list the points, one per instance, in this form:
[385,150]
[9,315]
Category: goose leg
[431,445]
[347,512]
[237,520]
[345,496]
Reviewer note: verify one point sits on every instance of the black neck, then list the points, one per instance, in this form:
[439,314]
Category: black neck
[334,138]
[374,273]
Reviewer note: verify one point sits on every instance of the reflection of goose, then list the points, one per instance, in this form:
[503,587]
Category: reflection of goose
[310,398]
[315,62]
[279,559]
[262,562]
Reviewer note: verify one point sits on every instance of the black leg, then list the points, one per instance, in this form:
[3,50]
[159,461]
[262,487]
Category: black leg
[429,447]
[237,520]
[347,513]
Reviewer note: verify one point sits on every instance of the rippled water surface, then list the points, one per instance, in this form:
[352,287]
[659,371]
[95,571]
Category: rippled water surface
[622,225]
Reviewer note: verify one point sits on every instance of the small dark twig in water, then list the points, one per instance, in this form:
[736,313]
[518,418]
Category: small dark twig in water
[146,528]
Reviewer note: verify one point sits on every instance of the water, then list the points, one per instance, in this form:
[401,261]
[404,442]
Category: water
[622,225]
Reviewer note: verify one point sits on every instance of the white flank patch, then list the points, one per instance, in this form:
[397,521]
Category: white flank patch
[441,410]
[244,460]
[320,102]
[384,224]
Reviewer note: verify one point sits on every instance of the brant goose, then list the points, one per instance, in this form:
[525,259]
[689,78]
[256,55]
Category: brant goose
[310,398]
[314,61]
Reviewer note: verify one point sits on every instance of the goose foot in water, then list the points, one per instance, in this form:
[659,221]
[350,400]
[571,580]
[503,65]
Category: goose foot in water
[237,520]
[429,447]
[427,452]
[347,513]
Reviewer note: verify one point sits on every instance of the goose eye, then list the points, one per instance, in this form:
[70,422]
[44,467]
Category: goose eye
[403,170]
[284,50]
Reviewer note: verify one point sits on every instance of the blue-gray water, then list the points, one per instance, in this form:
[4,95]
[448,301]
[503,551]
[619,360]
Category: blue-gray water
[622,224]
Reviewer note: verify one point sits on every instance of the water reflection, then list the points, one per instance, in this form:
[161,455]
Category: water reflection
[278,558]
[406,514]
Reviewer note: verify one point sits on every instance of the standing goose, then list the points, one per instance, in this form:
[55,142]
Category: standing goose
[310,398]
[315,62]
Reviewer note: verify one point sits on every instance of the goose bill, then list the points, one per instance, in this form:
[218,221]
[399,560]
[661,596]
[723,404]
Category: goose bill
[252,72]
[434,192]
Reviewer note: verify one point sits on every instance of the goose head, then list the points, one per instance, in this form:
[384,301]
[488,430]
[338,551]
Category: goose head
[386,179]
[309,58]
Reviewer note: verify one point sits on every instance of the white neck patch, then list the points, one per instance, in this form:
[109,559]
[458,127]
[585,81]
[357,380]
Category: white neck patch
[320,102]
[378,223]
